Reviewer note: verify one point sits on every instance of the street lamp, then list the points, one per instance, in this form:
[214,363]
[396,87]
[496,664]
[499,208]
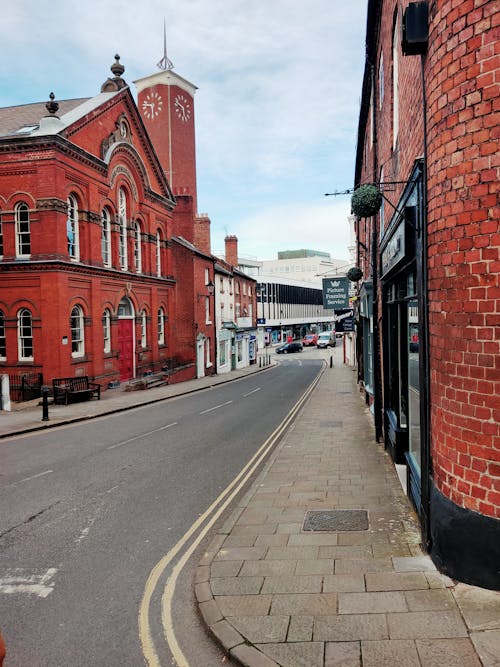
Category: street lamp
[211,292]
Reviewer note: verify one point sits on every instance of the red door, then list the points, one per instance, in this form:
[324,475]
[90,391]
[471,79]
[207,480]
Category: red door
[126,349]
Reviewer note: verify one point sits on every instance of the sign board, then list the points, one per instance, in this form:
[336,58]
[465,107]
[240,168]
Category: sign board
[335,293]
[261,320]
[344,320]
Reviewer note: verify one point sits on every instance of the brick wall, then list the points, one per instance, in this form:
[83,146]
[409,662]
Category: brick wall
[463,99]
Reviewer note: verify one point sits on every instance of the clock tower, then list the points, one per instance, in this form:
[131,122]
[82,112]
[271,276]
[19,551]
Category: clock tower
[166,104]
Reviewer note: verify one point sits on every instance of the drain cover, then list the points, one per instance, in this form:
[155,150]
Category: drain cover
[324,520]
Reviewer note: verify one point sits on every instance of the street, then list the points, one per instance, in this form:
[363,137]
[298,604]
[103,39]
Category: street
[89,510]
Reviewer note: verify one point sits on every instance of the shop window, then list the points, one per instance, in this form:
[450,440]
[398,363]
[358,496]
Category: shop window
[25,335]
[23,232]
[77,332]
[73,229]
[222,352]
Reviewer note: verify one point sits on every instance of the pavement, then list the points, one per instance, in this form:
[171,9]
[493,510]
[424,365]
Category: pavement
[319,564]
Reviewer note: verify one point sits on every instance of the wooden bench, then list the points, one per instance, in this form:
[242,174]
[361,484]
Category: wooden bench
[71,390]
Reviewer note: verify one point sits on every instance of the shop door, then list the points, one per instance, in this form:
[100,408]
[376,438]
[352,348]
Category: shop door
[126,349]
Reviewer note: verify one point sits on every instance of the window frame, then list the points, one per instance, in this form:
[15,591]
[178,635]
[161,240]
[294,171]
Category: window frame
[23,336]
[22,234]
[122,235]
[137,247]
[106,237]
[161,326]
[77,327]
[3,337]
[73,227]
[106,330]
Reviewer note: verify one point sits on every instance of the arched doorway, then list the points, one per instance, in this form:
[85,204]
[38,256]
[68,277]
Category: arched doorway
[126,339]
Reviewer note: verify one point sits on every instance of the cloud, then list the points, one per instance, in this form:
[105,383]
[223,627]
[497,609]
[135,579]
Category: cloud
[277,103]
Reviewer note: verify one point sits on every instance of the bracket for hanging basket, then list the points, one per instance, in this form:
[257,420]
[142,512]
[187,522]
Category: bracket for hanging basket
[366,201]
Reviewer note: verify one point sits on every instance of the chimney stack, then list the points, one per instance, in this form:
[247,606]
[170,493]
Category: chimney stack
[231,250]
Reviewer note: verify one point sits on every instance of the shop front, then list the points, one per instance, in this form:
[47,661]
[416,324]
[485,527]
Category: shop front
[401,287]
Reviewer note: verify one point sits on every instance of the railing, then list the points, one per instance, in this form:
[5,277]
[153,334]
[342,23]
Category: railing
[25,386]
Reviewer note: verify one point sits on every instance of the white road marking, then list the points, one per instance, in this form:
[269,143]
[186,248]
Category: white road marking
[19,581]
[251,392]
[216,407]
[40,474]
[143,435]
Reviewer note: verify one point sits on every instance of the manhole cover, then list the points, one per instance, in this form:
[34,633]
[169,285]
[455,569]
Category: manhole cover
[324,520]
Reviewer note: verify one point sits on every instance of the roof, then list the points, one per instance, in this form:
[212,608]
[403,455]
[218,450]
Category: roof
[25,119]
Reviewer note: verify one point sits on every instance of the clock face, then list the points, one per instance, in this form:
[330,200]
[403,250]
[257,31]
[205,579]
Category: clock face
[152,105]
[182,108]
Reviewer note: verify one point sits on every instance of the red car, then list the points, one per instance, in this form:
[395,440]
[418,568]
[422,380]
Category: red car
[310,339]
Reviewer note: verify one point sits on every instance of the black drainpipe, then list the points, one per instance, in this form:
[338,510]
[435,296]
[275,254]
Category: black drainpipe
[424,362]
[377,375]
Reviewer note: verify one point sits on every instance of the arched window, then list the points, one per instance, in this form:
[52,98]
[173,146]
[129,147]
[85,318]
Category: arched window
[137,247]
[25,335]
[161,326]
[106,330]
[77,332]
[73,229]
[158,253]
[144,329]
[3,345]
[395,82]
[23,233]
[122,222]
[106,237]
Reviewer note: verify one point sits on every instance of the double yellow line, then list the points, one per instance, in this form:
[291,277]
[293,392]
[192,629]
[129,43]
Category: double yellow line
[229,494]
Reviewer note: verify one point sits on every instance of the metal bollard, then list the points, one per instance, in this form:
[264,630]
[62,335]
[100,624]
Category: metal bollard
[331,361]
[45,404]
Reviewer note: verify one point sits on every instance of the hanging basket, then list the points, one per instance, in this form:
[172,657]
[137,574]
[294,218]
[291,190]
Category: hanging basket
[366,201]
[354,274]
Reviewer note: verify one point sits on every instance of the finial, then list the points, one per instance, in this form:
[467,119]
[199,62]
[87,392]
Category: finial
[117,68]
[52,107]
[165,62]
[115,83]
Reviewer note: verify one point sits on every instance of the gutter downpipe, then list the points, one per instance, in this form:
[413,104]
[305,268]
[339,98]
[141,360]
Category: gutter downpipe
[377,394]
[424,361]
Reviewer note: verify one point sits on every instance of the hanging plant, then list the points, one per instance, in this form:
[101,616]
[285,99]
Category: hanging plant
[354,274]
[366,201]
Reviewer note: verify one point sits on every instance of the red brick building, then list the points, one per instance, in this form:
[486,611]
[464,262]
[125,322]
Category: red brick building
[103,271]
[429,321]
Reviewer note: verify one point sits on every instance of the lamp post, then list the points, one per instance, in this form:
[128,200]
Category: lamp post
[211,292]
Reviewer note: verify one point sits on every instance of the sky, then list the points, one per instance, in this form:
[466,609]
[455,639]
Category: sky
[276,110]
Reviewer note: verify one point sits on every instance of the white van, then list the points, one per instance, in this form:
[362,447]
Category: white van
[327,339]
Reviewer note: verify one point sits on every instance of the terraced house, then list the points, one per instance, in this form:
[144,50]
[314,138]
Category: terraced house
[429,251]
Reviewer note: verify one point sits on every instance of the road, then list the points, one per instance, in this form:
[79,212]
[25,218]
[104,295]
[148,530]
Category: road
[91,512]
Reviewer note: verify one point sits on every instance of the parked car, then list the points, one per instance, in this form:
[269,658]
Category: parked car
[310,339]
[295,346]
[327,339]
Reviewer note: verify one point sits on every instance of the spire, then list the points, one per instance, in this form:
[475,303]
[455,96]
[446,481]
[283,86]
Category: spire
[165,62]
